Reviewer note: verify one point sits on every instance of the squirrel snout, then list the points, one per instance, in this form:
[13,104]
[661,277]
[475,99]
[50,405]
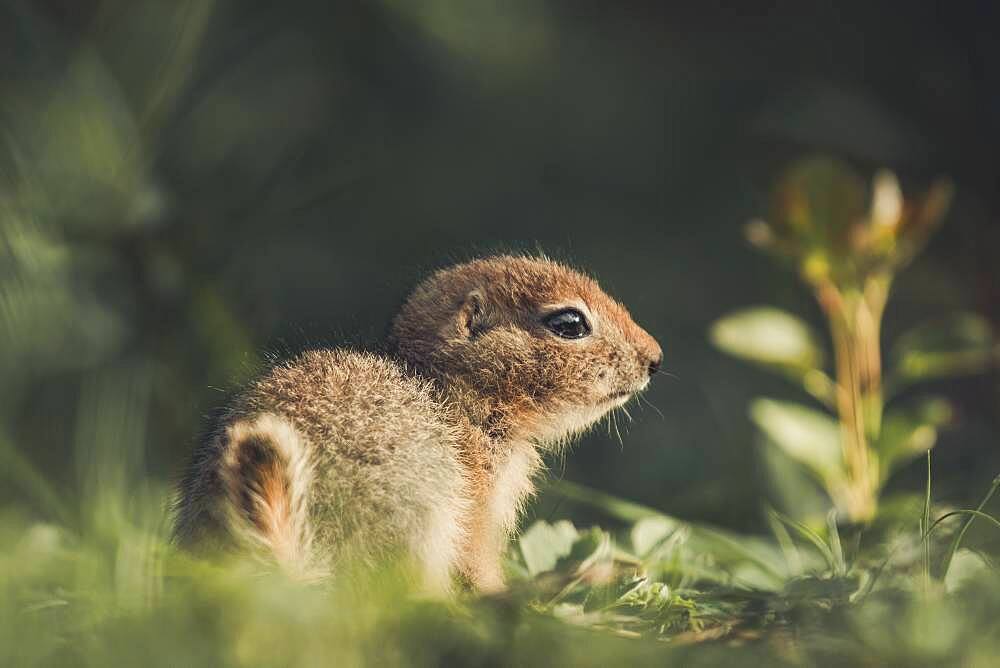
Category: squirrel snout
[650,355]
[654,364]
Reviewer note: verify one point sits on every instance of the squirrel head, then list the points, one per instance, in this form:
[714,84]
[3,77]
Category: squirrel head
[529,349]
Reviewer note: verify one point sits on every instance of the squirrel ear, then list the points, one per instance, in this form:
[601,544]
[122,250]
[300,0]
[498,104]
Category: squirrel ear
[472,318]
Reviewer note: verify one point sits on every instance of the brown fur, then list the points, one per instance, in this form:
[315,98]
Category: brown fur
[430,453]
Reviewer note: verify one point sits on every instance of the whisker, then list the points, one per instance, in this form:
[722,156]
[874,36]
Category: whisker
[652,405]
[668,374]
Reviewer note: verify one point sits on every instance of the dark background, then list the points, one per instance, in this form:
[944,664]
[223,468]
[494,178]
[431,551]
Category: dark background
[229,180]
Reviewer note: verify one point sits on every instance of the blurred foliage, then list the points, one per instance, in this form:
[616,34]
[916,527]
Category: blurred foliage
[190,188]
[838,231]
[101,585]
[849,254]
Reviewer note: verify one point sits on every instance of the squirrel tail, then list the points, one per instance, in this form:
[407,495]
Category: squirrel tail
[266,475]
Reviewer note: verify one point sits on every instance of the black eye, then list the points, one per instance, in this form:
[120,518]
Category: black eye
[568,323]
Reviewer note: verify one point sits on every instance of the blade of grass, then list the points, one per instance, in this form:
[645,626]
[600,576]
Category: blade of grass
[924,536]
[972,513]
[788,547]
[950,554]
[811,536]
[925,521]
[835,547]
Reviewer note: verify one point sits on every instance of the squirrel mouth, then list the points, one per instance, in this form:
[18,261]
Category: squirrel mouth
[621,396]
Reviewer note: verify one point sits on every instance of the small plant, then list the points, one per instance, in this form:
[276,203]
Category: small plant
[848,243]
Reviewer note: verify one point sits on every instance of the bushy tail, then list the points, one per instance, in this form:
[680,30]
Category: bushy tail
[266,475]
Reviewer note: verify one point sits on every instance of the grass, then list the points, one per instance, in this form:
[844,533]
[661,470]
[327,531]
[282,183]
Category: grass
[88,576]
[97,583]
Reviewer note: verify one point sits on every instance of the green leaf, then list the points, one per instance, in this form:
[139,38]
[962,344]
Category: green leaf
[650,532]
[909,432]
[804,434]
[964,566]
[795,490]
[768,336]
[758,560]
[961,344]
[543,544]
[588,546]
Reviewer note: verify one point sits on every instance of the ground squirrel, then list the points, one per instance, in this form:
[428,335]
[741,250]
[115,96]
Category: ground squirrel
[429,449]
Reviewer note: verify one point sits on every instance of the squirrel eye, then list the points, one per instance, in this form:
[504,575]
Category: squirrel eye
[568,323]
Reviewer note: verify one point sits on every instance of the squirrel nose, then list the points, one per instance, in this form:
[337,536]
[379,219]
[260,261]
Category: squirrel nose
[649,353]
[654,364]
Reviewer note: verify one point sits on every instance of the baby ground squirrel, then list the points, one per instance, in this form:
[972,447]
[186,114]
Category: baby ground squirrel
[427,451]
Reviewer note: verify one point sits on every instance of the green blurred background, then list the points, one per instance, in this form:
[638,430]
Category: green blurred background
[188,189]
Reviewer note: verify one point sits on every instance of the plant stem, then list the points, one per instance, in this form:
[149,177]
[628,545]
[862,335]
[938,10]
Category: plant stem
[855,322]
